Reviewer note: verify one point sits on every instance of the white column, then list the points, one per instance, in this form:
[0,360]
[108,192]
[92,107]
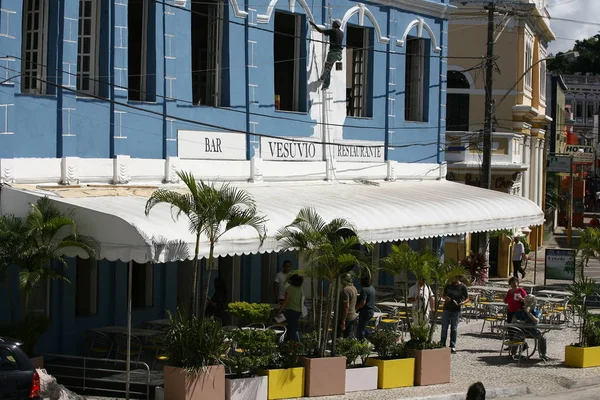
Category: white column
[526,161]
[541,170]
[533,171]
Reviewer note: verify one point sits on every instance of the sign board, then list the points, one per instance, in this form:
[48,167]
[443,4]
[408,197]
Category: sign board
[581,154]
[559,164]
[297,149]
[560,264]
[202,145]
[310,149]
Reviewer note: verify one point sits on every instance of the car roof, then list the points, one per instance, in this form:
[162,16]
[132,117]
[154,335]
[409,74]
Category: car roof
[10,341]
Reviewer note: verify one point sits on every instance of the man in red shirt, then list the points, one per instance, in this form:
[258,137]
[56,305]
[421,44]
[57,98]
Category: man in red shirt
[595,222]
[514,298]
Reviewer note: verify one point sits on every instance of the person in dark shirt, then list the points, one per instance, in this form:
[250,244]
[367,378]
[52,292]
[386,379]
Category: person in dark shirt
[455,295]
[336,37]
[365,306]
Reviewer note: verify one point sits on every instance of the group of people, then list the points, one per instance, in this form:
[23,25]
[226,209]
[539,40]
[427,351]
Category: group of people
[522,307]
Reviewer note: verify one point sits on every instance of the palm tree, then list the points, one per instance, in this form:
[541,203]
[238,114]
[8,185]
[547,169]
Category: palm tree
[213,211]
[330,250]
[589,247]
[48,233]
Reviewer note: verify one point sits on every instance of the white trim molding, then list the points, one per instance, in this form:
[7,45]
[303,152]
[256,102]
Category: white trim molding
[362,10]
[423,7]
[420,24]
[266,18]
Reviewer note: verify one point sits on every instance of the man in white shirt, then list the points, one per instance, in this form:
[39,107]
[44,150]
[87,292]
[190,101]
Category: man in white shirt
[281,281]
[421,297]
[517,258]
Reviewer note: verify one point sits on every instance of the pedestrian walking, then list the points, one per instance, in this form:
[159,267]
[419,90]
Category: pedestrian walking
[455,295]
[421,297]
[365,306]
[292,306]
[517,257]
[347,316]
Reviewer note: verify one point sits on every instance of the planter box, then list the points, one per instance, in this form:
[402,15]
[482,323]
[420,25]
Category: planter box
[582,357]
[394,373]
[206,385]
[361,378]
[324,376]
[38,362]
[432,367]
[285,383]
[254,388]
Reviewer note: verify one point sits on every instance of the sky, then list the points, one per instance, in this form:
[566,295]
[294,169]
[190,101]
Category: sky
[566,32]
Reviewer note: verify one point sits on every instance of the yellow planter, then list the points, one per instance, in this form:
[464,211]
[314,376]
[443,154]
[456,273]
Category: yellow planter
[394,373]
[582,357]
[285,383]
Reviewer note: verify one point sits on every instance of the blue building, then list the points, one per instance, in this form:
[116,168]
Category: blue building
[102,101]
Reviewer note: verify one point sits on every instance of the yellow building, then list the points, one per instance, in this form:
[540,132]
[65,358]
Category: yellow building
[522,32]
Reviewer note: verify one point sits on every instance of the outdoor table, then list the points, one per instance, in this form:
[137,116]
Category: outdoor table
[134,331]
[550,299]
[379,314]
[492,303]
[555,293]
[161,322]
[489,288]
[521,284]
[594,311]
[245,328]
[394,304]
[543,328]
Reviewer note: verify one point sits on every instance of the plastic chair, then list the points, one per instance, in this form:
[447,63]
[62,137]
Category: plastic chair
[137,346]
[256,325]
[514,338]
[100,343]
[278,328]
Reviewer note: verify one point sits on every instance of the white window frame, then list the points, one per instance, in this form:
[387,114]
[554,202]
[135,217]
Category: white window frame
[416,112]
[528,61]
[94,38]
[296,101]
[38,71]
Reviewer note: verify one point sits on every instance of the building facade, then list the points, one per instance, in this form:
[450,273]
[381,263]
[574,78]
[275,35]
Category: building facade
[102,102]
[522,33]
[583,96]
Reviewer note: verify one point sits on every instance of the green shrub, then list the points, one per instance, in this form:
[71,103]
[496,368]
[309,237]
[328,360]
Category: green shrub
[354,349]
[253,350]
[310,344]
[194,344]
[288,354]
[250,312]
[387,344]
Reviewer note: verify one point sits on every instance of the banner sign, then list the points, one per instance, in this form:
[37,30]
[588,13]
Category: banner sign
[581,154]
[559,163]
[560,264]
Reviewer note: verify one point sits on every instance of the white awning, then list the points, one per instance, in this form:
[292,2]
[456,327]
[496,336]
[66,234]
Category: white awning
[389,211]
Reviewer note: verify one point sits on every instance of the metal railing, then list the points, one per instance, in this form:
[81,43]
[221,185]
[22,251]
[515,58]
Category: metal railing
[91,368]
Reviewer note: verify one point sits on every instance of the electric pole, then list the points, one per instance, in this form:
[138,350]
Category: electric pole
[486,165]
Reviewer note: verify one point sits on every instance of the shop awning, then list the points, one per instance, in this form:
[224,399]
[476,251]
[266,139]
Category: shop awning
[381,212]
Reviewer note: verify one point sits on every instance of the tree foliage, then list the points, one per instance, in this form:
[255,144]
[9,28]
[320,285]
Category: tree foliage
[588,59]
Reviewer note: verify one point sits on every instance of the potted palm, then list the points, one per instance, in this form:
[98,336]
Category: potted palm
[251,351]
[432,360]
[212,211]
[359,376]
[586,352]
[37,245]
[330,250]
[394,368]
[285,373]
[195,348]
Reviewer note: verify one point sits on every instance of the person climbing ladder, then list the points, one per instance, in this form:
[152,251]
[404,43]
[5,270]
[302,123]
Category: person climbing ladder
[336,36]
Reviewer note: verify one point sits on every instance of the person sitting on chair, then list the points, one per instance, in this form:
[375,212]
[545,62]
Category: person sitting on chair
[531,315]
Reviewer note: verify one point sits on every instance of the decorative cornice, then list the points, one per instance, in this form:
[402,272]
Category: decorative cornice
[420,24]
[436,10]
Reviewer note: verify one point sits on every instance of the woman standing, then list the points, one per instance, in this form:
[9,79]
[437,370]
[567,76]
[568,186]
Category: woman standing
[455,295]
[292,306]
[514,298]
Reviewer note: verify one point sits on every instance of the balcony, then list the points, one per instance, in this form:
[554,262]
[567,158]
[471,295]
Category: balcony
[466,149]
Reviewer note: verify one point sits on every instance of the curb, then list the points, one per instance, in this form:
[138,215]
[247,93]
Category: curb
[492,393]
[582,383]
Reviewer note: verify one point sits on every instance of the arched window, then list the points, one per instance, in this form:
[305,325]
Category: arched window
[457,104]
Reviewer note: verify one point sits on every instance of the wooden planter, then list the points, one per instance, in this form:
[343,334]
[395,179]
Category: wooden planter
[361,378]
[432,367]
[253,388]
[285,383]
[582,357]
[206,385]
[394,373]
[324,376]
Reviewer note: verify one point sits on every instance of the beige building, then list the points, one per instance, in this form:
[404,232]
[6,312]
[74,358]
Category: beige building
[521,121]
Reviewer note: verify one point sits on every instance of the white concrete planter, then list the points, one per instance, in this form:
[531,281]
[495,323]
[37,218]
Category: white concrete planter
[359,379]
[254,388]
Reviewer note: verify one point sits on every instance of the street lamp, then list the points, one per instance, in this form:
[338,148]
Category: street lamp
[570,54]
